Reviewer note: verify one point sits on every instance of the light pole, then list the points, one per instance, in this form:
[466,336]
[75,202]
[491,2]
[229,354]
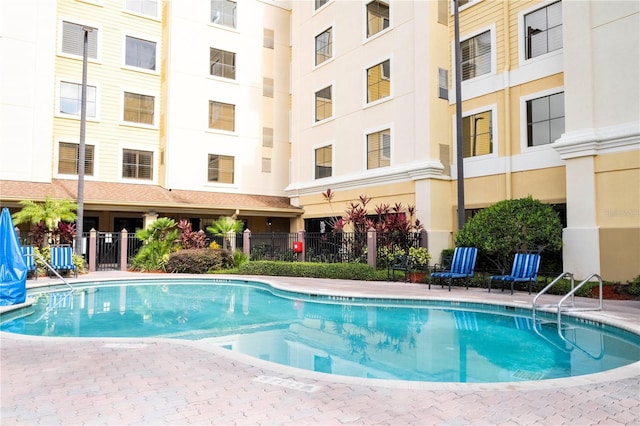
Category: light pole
[475,134]
[459,150]
[81,148]
[530,33]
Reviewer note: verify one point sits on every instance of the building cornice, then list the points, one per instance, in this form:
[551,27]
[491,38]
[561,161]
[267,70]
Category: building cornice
[381,176]
[603,140]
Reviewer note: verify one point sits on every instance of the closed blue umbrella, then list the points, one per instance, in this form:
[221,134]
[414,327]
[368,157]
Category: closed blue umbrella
[13,269]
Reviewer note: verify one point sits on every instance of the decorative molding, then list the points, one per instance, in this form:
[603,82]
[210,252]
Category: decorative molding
[381,176]
[586,142]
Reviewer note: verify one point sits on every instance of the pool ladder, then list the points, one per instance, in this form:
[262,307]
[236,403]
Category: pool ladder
[66,283]
[571,307]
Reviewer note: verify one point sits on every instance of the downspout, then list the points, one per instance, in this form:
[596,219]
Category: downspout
[507,98]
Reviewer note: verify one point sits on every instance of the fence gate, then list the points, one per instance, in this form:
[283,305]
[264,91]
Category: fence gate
[108,251]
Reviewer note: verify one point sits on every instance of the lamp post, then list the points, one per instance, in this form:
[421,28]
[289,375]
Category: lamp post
[475,134]
[459,150]
[81,148]
[530,33]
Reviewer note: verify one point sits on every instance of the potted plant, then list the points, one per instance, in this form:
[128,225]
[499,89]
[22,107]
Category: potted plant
[419,259]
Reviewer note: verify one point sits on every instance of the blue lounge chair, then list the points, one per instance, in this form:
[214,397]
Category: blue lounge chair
[462,267]
[29,260]
[62,259]
[525,269]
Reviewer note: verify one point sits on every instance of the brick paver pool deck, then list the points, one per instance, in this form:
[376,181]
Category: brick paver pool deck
[50,381]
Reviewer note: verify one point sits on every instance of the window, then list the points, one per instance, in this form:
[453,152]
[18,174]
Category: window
[443,83]
[139,108]
[223,12]
[324,106]
[320,3]
[266,165]
[323,47]
[137,164]
[71,99]
[220,168]
[379,149]
[267,137]
[545,119]
[476,56]
[476,135]
[267,87]
[543,30]
[377,17]
[379,81]
[69,158]
[140,53]
[222,63]
[222,116]
[73,40]
[323,162]
[144,7]
[268,38]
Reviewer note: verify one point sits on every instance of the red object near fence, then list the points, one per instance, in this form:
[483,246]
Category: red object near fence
[297,246]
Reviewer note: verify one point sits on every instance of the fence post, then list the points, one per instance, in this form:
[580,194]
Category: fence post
[93,244]
[124,239]
[302,237]
[372,247]
[424,239]
[246,242]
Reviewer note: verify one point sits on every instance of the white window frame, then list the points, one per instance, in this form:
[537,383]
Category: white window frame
[524,143]
[324,6]
[155,16]
[365,38]
[522,55]
[137,147]
[495,142]
[333,104]
[58,113]
[236,176]
[83,22]
[144,37]
[464,6]
[331,27]
[365,103]
[56,158]
[235,118]
[156,112]
[313,159]
[365,149]
[227,27]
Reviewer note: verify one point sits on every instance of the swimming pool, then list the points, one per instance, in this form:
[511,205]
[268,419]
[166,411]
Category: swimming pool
[409,340]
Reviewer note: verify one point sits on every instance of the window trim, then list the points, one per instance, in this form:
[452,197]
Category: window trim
[365,101]
[315,51]
[155,17]
[495,142]
[365,147]
[60,114]
[315,120]
[154,164]
[492,34]
[122,121]
[82,22]
[219,77]
[217,182]
[464,6]
[56,159]
[365,19]
[316,147]
[522,54]
[223,26]
[318,9]
[143,37]
[223,131]
[524,143]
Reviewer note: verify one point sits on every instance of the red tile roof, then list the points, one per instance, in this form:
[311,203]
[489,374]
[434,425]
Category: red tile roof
[139,197]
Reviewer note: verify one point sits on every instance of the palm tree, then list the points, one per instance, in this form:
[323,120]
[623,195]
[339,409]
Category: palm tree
[226,227]
[50,213]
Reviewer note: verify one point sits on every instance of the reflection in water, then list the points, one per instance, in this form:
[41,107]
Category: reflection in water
[418,342]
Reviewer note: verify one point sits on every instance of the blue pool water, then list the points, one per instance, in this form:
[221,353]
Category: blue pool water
[385,339]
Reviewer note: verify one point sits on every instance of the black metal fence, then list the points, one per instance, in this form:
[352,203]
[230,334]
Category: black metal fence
[273,246]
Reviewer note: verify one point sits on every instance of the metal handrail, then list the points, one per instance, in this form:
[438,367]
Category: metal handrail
[547,288]
[573,291]
[51,268]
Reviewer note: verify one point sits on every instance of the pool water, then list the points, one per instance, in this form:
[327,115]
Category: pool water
[384,339]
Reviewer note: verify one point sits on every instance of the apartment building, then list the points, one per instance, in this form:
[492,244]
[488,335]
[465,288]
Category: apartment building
[261,106]
[187,109]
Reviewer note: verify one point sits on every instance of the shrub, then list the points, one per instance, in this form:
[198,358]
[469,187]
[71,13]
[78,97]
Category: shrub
[350,271]
[509,226]
[634,286]
[198,261]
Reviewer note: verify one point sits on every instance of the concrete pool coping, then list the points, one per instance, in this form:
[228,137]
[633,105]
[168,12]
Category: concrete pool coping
[279,381]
